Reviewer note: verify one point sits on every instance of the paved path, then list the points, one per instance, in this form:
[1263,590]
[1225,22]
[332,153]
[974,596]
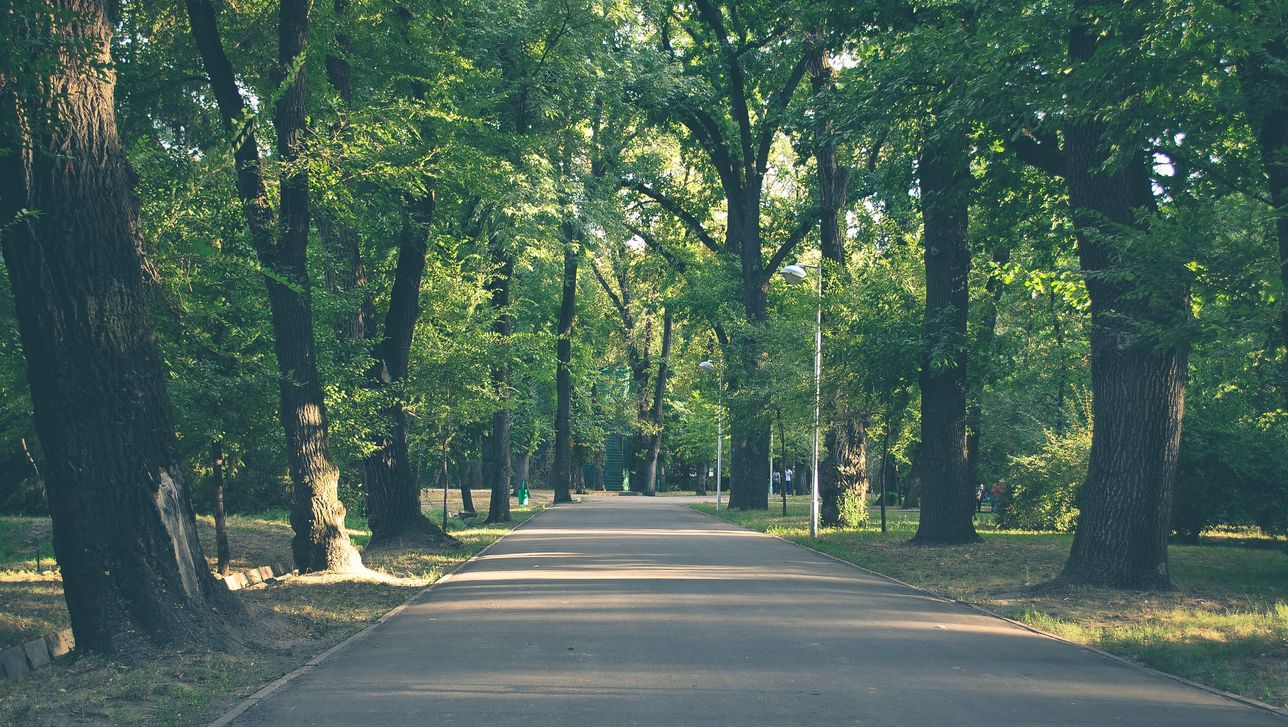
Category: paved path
[627,611]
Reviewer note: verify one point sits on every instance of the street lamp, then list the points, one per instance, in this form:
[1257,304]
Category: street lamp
[796,275]
[710,368]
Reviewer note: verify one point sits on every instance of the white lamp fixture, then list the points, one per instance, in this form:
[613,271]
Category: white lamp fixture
[794,274]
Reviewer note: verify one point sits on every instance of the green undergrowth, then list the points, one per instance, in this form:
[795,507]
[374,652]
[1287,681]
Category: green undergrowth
[1224,624]
[292,621]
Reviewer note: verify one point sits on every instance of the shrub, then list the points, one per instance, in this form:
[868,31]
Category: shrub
[1041,492]
[853,508]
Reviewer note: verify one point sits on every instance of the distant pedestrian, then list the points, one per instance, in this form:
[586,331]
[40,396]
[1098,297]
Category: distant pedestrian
[788,477]
[778,482]
[979,497]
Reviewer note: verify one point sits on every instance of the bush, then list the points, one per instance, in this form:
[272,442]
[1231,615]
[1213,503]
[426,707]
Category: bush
[853,508]
[1041,492]
[1231,470]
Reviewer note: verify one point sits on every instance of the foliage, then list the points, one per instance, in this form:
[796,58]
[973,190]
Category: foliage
[1043,488]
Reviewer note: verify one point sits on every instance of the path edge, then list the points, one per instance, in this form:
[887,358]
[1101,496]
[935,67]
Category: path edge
[269,689]
[1247,701]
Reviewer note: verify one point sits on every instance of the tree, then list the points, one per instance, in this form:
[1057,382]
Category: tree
[317,516]
[563,470]
[721,90]
[947,498]
[134,575]
[1138,363]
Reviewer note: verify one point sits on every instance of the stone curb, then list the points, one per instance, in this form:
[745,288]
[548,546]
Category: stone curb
[21,660]
[252,576]
[268,689]
[1248,701]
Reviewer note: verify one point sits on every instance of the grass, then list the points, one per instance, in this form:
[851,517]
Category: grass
[292,621]
[1224,624]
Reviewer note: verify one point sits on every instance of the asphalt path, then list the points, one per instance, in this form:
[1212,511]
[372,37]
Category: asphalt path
[635,611]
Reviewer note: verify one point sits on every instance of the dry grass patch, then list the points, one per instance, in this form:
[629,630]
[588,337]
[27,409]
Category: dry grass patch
[293,620]
[1225,623]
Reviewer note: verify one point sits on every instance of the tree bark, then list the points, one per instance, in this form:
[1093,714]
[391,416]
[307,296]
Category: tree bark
[659,411]
[1138,384]
[317,516]
[221,526]
[845,469]
[134,575]
[475,479]
[947,497]
[749,423]
[393,494]
[563,470]
[499,468]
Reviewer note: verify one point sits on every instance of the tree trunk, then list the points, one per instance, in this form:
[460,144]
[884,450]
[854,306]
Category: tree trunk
[749,423]
[393,494]
[475,479]
[845,469]
[700,488]
[124,534]
[947,497]
[499,468]
[1263,77]
[521,467]
[221,526]
[317,516]
[659,411]
[1138,383]
[563,471]
[599,471]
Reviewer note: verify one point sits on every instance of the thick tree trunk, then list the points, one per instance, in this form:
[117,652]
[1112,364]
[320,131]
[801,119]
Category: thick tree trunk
[845,469]
[947,497]
[317,517]
[499,469]
[222,554]
[522,464]
[1263,77]
[659,411]
[393,494]
[750,422]
[1138,383]
[563,470]
[133,571]
[700,487]
[598,469]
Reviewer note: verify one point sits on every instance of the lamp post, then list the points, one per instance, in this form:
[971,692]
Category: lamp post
[710,367]
[796,275]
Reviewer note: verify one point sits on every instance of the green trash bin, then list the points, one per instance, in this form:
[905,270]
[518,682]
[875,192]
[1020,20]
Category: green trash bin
[523,493]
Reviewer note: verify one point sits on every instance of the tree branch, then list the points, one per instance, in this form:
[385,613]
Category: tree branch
[1041,152]
[654,244]
[627,322]
[680,213]
[768,126]
[802,229]
[737,81]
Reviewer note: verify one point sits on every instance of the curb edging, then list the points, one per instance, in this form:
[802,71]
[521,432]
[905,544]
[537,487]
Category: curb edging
[1246,701]
[268,689]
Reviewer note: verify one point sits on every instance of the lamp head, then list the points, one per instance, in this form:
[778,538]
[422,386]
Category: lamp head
[794,274]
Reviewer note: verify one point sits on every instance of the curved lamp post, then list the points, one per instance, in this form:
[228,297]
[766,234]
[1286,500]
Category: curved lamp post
[710,368]
[797,275]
